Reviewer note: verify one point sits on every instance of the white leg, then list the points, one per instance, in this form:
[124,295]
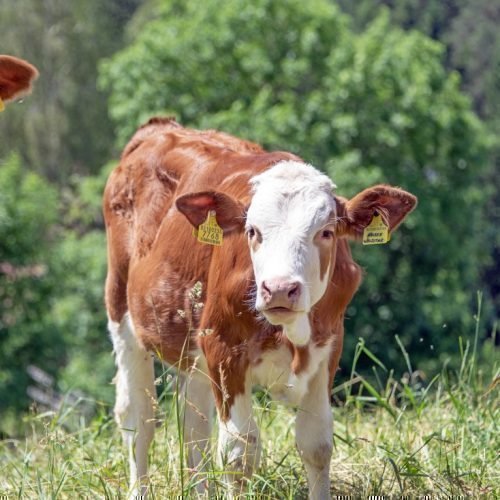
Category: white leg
[314,434]
[239,444]
[198,412]
[135,399]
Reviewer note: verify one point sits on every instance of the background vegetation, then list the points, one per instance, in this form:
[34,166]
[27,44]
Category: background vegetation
[402,92]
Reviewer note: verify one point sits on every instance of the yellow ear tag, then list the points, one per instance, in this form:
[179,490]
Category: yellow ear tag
[2,105]
[210,232]
[377,232]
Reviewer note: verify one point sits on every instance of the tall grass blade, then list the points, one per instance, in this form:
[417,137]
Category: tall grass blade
[405,354]
[372,356]
[396,473]
[476,336]
[380,400]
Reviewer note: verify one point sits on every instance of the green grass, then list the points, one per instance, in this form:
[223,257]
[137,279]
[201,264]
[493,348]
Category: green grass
[391,438]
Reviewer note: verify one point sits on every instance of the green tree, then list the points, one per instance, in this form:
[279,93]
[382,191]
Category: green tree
[375,107]
[432,17]
[474,41]
[78,306]
[26,280]
[52,270]
[468,28]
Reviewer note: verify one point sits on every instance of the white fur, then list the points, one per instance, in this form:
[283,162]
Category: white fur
[274,373]
[135,397]
[239,443]
[292,201]
[299,331]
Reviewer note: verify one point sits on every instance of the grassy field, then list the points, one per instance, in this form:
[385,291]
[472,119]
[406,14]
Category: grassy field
[396,438]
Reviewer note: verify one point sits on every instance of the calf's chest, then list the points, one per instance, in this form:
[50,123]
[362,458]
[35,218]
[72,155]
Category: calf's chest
[273,371]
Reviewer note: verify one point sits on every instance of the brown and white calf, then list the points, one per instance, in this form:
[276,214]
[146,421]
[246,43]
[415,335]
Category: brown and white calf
[16,78]
[273,295]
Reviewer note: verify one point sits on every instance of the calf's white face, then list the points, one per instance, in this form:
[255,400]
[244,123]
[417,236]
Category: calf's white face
[290,228]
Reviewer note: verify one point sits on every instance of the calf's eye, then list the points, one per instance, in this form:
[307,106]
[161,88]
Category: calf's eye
[326,234]
[251,232]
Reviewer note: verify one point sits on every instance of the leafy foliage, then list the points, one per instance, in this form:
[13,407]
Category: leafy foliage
[79,306]
[474,41]
[51,287]
[26,279]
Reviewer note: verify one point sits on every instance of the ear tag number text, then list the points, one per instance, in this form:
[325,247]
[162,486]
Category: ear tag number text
[377,232]
[210,232]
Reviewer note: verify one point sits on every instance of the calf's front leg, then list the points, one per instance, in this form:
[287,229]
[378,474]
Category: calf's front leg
[239,441]
[314,434]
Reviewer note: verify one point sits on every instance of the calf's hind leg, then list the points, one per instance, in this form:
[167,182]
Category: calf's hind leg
[135,399]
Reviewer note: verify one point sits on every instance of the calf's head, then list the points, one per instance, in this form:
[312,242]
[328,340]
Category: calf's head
[292,224]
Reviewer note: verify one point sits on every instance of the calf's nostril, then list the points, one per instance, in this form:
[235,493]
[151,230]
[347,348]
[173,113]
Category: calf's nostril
[294,290]
[266,292]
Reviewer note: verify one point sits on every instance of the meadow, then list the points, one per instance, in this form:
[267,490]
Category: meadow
[396,437]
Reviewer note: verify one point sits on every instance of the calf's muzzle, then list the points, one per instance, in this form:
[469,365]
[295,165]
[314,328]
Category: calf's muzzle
[279,292]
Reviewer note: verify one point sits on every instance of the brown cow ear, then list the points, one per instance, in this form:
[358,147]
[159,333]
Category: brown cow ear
[229,212]
[392,204]
[16,77]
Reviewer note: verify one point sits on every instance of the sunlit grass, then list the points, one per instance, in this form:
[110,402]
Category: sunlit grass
[391,438]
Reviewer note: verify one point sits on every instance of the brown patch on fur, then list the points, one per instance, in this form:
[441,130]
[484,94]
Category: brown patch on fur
[300,360]
[325,247]
[324,261]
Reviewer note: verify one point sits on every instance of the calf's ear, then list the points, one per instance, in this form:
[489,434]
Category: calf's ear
[354,215]
[16,77]
[229,212]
